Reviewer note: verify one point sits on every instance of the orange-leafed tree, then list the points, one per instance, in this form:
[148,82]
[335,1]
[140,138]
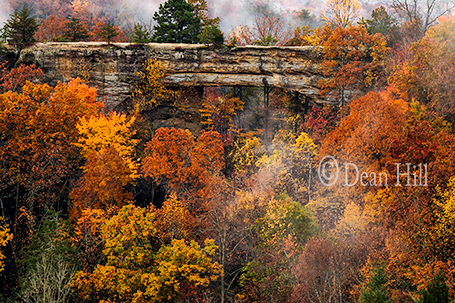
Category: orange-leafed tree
[184,164]
[50,29]
[108,146]
[39,160]
[15,78]
[220,111]
[353,60]
[416,214]
[101,132]
[428,74]
[357,140]
[174,221]
[103,184]
[87,236]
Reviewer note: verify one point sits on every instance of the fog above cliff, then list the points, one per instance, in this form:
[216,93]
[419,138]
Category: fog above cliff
[231,13]
[4,13]
[234,13]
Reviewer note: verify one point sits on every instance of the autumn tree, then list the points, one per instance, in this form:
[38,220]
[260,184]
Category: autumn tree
[40,161]
[289,165]
[326,271]
[421,242]
[137,271]
[201,10]
[176,23]
[427,75]
[356,140]
[21,27]
[150,88]
[184,164]
[220,111]
[13,79]
[408,211]
[108,146]
[445,219]
[341,13]
[320,121]
[353,59]
[245,153]
[50,29]
[5,237]
[174,221]
[87,12]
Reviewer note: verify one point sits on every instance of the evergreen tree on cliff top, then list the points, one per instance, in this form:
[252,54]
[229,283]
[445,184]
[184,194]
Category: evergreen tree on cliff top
[21,27]
[176,23]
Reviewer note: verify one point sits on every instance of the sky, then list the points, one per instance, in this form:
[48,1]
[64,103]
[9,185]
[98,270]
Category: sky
[231,12]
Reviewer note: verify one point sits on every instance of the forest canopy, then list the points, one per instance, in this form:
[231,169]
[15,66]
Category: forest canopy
[232,194]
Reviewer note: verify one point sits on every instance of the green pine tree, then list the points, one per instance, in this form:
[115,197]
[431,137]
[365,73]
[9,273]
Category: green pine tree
[375,291]
[20,28]
[381,22]
[108,32]
[437,290]
[75,30]
[211,34]
[176,23]
[141,34]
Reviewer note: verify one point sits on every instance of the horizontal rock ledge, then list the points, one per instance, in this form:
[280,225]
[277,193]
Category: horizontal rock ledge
[113,68]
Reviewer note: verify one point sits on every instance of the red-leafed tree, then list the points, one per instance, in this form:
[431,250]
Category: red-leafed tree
[184,164]
[14,79]
[50,29]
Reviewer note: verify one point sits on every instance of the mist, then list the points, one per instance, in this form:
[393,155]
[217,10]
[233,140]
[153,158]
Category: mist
[4,13]
[231,13]
[234,13]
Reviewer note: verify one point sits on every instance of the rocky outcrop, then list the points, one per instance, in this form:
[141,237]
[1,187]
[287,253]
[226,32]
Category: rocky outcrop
[112,68]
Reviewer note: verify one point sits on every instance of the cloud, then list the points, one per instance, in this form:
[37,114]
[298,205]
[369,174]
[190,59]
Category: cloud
[4,14]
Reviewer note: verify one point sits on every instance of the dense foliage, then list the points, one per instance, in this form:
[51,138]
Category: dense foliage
[106,206]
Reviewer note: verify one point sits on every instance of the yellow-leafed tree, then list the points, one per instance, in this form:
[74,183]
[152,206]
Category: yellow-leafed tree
[5,237]
[136,271]
[150,87]
[107,144]
[102,132]
[341,12]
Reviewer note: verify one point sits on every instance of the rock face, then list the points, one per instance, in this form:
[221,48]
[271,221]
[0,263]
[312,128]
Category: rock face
[112,68]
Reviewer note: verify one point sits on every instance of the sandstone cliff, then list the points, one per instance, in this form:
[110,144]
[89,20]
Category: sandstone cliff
[112,68]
